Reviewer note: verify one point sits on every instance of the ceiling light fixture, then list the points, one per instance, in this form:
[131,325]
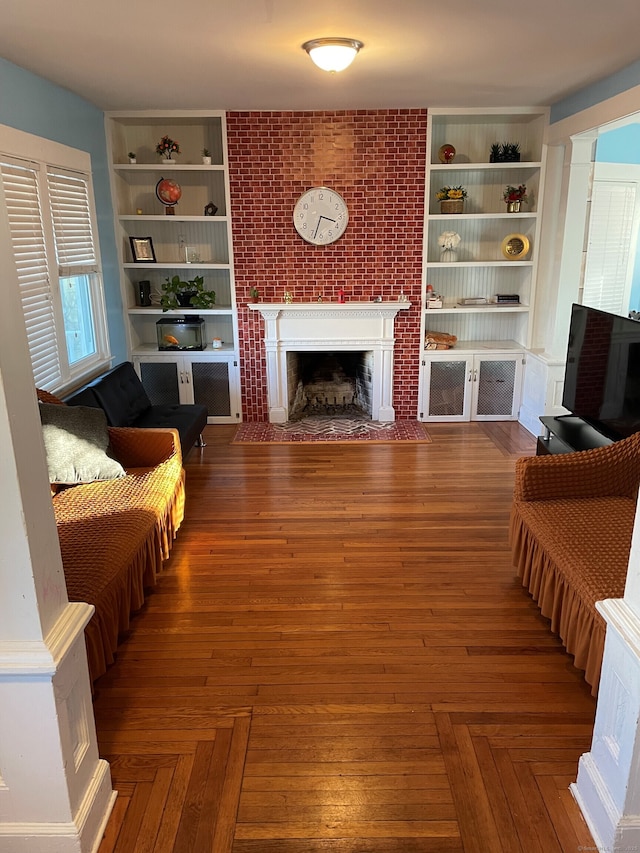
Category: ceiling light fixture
[332,54]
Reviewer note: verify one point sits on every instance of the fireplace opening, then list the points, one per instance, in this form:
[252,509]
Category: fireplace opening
[337,384]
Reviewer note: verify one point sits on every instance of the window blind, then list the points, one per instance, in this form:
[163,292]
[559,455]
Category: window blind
[28,241]
[70,212]
[607,272]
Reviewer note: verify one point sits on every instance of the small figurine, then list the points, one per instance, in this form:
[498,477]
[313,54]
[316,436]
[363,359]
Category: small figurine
[288,297]
[341,298]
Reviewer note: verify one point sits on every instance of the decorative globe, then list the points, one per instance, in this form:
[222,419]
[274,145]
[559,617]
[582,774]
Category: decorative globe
[168,192]
[446,153]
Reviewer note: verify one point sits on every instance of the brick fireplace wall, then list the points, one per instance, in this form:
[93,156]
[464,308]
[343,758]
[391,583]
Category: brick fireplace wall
[376,160]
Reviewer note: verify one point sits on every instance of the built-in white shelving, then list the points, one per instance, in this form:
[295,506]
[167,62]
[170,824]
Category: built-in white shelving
[481,270]
[211,375]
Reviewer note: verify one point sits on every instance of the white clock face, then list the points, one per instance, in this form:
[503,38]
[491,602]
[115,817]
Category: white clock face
[320,216]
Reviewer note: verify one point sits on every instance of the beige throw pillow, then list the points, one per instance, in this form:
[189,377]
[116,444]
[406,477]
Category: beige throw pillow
[76,440]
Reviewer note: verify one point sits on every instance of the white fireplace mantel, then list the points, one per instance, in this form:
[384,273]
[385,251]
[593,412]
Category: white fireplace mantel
[325,326]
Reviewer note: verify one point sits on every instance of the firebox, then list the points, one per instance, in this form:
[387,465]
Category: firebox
[339,384]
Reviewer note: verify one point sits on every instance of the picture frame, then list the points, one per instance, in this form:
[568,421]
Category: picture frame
[515,247]
[191,255]
[142,250]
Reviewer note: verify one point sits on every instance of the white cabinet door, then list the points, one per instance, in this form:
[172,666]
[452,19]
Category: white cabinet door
[214,383]
[496,385]
[446,387]
[161,378]
[211,381]
[470,387]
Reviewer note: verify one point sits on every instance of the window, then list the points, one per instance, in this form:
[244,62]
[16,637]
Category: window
[51,222]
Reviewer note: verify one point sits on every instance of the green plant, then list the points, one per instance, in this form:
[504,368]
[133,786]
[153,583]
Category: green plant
[507,152]
[254,293]
[510,152]
[495,153]
[451,193]
[131,155]
[200,297]
[206,152]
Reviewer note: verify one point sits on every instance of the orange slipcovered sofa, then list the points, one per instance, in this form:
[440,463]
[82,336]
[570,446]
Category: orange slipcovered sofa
[115,534]
[571,523]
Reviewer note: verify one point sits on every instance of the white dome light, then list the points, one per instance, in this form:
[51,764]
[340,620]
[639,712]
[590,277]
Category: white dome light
[332,54]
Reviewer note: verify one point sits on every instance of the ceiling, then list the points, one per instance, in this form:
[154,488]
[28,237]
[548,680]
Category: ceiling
[246,54]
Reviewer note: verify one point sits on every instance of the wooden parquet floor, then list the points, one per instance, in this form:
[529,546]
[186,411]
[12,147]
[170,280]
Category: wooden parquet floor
[339,658]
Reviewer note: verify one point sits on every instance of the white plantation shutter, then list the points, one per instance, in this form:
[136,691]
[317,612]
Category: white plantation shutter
[28,241]
[70,212]
[607,277]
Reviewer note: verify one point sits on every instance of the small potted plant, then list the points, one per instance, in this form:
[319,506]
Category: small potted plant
[510,152]
[206,157]
[451,199]
[177,293]
[132,157]
[514,197]
[254,294]
[166,147]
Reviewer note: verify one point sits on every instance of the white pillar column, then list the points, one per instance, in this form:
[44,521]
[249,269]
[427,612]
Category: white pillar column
[608,785]
[384,376]
[55,792]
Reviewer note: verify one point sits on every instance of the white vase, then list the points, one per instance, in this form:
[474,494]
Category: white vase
[448,256]
[168,162]
[206,161]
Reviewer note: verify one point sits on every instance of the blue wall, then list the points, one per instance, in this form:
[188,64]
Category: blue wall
[621,145]
[606,88]
[34,105]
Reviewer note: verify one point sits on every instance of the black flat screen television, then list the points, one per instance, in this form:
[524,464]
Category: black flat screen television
[602,376]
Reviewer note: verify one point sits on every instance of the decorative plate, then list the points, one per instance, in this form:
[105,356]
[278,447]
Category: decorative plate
[515,247]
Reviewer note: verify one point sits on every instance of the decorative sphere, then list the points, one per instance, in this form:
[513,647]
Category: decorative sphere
[446,153]
[168,191]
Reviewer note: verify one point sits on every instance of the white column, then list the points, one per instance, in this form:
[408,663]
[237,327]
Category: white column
[277,402]
[608,785]
[384,377]
[55,792]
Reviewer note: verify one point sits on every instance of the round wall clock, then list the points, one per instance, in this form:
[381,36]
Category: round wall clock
[320,216]
[515,247]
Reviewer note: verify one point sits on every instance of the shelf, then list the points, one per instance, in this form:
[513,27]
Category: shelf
[170,355]
[142,217]
[154,309]
[463,167]
[163,167]
[478,309]
[463,347]
[467,264]
[179,266]
[530,214]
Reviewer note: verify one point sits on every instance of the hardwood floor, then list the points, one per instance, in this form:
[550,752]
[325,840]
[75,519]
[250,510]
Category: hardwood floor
[339,659]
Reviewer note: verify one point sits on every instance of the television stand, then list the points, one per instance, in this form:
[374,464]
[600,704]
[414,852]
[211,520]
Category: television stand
[566,434]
